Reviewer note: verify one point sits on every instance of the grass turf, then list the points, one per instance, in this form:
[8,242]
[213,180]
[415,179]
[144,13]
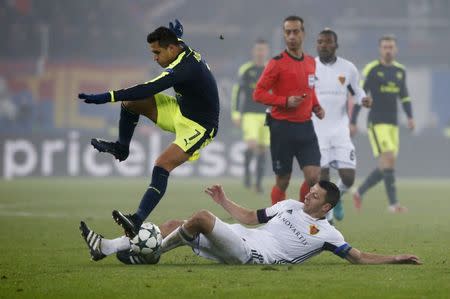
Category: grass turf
[43,255]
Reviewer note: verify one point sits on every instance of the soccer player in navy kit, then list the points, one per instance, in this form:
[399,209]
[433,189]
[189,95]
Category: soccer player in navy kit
[385,81]
[250,116]
[193,114]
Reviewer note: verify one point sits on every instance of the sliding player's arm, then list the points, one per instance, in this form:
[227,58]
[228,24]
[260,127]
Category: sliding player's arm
[358,257]
[241,214]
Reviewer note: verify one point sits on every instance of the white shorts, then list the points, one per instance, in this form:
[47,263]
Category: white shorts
[337,152]
[223,245]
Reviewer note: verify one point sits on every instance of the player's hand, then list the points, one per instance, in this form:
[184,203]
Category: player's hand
[408,259]
[177,28]
[294,101]
[367,102]
[411,124]
[319,112]
[100,98]
[217,194]
[353,130]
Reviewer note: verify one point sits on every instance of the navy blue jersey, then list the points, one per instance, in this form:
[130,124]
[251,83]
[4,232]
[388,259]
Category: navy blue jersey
[385,84]
[242,97]
[194,85]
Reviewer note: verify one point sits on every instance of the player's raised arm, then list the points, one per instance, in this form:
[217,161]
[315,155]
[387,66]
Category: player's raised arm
[357,257]
[241,214]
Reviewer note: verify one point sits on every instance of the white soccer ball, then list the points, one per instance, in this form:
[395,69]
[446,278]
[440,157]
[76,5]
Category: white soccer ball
[148,240]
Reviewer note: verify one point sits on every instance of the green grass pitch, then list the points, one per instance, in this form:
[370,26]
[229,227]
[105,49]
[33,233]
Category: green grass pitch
[43,256]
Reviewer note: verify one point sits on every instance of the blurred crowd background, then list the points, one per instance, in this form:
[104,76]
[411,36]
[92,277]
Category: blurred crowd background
[52,50]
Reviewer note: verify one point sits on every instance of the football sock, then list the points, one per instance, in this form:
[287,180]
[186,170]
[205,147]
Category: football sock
[342,187]
[277,195]
[115,245]
[260,166]
[154,192]
[374,177]
[389,184]
[127,123]
[304,189]
[176,238]
[248,154]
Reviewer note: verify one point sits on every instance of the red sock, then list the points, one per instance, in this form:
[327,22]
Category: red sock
[277,195]
[304,189]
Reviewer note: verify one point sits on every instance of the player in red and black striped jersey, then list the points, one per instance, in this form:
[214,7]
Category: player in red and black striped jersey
[287,84]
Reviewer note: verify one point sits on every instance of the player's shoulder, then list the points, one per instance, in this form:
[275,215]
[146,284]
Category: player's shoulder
[245,67]
[278,57]
[293,204]
[371,66]
[330,231]
[399,65]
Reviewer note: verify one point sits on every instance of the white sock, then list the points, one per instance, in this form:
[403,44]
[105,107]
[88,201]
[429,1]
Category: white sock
[343,188]
[109,247]
[175,239]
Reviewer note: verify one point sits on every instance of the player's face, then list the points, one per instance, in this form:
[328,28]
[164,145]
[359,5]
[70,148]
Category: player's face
[293,35]
[388,50]
[260,53]
[315,202]
[326,46]
[163,56]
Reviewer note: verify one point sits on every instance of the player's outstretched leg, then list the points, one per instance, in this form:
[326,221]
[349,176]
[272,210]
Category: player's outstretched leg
[93,241]
[130,223]
[118,150]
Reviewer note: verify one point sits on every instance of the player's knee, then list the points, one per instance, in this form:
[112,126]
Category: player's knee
[348,180]
[202,217]
[283,182]
[130,106]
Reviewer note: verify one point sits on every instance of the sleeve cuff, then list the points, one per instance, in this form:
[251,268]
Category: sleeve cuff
[111,94]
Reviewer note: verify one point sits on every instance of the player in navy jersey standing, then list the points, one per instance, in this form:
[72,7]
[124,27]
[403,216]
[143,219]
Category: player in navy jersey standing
[193,114]
[287,84]
[385,81]
[249,115]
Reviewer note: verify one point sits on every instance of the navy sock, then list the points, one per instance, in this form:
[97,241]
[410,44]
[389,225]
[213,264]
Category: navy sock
[154,192]
[374,177]
[260,166]
[127,123]
[248,154]
[389,184]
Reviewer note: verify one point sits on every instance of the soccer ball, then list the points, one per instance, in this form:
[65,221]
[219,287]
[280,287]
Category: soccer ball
[148,240]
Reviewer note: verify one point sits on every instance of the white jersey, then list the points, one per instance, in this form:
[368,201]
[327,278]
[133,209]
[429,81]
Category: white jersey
[334,83]
[290,236]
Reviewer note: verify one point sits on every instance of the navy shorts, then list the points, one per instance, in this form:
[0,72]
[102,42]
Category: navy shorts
[289,140]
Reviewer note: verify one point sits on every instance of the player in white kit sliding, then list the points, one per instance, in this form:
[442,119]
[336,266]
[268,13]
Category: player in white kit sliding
[292,232]
[336,80]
